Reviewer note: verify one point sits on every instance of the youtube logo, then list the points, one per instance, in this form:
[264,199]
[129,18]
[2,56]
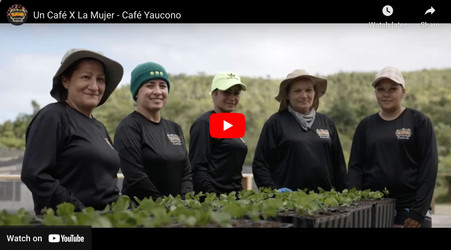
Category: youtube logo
[227,125]
[54,238]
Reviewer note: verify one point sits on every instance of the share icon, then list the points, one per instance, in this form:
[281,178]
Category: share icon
[430,10]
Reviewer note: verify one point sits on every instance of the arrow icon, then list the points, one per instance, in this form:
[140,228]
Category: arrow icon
[227,125]
[430,10]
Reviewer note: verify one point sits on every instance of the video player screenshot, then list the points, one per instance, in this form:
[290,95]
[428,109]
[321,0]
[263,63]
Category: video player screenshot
[177,124]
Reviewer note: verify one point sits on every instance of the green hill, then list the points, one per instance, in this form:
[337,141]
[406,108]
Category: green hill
[348,99]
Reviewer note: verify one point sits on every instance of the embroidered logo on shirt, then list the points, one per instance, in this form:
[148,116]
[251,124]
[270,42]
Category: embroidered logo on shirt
[109,143]
[323,133]
[403,133]
[175,139]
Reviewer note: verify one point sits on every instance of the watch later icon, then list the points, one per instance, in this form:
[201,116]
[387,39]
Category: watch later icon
[387,10]
[430,10]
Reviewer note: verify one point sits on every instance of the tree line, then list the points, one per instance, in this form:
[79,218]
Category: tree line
[348,99]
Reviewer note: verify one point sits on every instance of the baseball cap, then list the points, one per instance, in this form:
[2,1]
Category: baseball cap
[391,73]
[226,79]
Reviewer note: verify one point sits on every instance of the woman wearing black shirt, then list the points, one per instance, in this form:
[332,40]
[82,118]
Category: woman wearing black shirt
[298,147]
[218,162]
[152,150]
[396,149]
[69,156]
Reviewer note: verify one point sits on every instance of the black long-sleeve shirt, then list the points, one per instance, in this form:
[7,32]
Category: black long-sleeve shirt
[154,159]
[400,155]
[217,163]
[288,156]
[69,158]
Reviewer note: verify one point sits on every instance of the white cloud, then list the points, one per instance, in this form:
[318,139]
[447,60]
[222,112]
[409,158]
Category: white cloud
[29,61]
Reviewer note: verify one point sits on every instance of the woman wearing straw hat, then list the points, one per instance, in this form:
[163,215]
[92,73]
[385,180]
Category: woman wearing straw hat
[217,163]
[299,148]
[69,156]
[396,149]
[152,150]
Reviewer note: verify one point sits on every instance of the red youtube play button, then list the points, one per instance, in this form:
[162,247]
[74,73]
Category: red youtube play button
[227,125]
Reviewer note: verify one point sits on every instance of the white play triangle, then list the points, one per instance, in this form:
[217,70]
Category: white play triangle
[227,125]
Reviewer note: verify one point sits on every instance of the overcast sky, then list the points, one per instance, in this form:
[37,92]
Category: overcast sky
[30,54]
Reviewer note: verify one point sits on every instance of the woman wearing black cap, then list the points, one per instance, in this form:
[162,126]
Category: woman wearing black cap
[298,147]
[152,150]
[396,149]
[69,156]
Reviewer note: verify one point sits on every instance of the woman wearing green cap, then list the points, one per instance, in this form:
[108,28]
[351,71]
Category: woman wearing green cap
[69,156]
[152,150]
[217,163]
[299,148]
[396,149]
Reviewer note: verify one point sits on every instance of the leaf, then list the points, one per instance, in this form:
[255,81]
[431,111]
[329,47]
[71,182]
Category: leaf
[65,209]
[235,209]
[50,219]
[101,221]
[331,202]
[147,204]
[21,218]
[122,204]
[221,218]
[376,195]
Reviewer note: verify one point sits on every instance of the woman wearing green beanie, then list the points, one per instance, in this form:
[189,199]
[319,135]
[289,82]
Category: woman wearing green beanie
[152,150]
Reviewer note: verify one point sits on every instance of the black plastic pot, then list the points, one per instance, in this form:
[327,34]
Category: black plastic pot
[241,223]
[361,214]
[372,213]
[330,218]
[384,213]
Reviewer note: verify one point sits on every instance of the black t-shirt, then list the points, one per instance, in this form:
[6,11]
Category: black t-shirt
[217,163]
[400,155]
[154,159]
[69,158]
[288,156]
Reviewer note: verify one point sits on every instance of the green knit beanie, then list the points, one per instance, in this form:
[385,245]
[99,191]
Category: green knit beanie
[145,72]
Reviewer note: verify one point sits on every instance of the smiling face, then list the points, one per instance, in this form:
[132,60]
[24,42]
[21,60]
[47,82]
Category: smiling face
[226,101]
[152,96]
[389,95]
[301,94]
[85,86]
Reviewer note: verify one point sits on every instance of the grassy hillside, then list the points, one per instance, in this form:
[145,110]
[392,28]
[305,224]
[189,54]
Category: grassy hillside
[348,99]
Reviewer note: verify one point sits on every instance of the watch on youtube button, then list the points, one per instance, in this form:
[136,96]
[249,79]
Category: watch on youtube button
[227,125]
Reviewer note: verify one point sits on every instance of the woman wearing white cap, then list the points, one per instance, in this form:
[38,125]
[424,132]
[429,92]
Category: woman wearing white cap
[69,156]
[299,148]
[217,163]
[396,149]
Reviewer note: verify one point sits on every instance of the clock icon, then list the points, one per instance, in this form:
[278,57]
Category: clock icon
[387,10]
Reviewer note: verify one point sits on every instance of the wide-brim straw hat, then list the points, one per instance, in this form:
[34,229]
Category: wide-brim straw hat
[113,72]
[320,86]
